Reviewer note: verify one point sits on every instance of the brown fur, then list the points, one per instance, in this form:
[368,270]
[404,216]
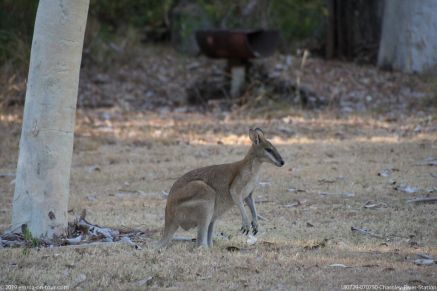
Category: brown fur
[201,196]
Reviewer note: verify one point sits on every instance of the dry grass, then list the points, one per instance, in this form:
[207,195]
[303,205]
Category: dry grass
[324,153]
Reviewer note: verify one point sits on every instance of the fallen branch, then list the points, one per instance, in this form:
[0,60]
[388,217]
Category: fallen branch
[80,233]
[11,243]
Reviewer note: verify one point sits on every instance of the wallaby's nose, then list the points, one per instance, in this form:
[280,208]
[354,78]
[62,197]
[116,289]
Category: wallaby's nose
[281,163]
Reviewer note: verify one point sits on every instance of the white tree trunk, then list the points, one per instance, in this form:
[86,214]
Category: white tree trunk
[46,145]
[409,36]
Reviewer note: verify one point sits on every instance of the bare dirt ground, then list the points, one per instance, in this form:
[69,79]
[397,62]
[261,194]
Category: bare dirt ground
[123,161]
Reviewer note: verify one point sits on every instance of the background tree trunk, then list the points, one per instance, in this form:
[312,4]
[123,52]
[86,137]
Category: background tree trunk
[353,29]
[409,36]
[46,145]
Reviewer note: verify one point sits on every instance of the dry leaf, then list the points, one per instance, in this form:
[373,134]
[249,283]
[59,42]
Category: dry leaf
[371,204]
[408,189]
[74,241]
[424,262]
[385,173]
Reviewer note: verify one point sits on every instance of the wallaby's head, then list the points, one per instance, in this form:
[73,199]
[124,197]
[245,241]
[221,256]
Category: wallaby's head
[263,149]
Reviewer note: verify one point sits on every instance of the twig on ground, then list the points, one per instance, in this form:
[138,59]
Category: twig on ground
[428,162]
[183,238]
[264,201]
[11,243]
[372,204]
[365,231]
[422,199]
[347,194]
[294,204]
[260,217]
[339,266]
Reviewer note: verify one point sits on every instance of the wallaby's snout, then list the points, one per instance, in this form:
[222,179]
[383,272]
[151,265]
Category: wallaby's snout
[279,161]
[264,149]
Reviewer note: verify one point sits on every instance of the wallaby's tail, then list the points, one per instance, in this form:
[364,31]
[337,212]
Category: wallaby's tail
[170,228]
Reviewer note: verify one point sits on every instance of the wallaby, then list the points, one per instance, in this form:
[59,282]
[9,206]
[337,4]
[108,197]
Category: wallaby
[201,196]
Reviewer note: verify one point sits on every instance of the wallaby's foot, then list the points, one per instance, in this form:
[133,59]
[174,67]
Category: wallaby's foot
[202,235]
[245,228]
[254,227]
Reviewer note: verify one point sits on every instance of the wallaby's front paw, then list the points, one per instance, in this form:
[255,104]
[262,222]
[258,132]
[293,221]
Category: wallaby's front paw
[254,227]
[245,229]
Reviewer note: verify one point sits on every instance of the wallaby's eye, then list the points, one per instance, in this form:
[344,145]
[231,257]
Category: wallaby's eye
[269,150]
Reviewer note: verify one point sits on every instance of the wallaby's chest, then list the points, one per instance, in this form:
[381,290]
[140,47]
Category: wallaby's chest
[249,185]
[246,182]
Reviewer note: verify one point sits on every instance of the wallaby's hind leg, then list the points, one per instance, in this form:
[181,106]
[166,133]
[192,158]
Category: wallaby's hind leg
[210,233]
[169,230]
[199,209]
[202,234]
[203,225]
[188,207]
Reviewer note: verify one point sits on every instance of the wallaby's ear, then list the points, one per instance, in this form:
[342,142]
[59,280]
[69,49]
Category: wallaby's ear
[259,131]
[255,135]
